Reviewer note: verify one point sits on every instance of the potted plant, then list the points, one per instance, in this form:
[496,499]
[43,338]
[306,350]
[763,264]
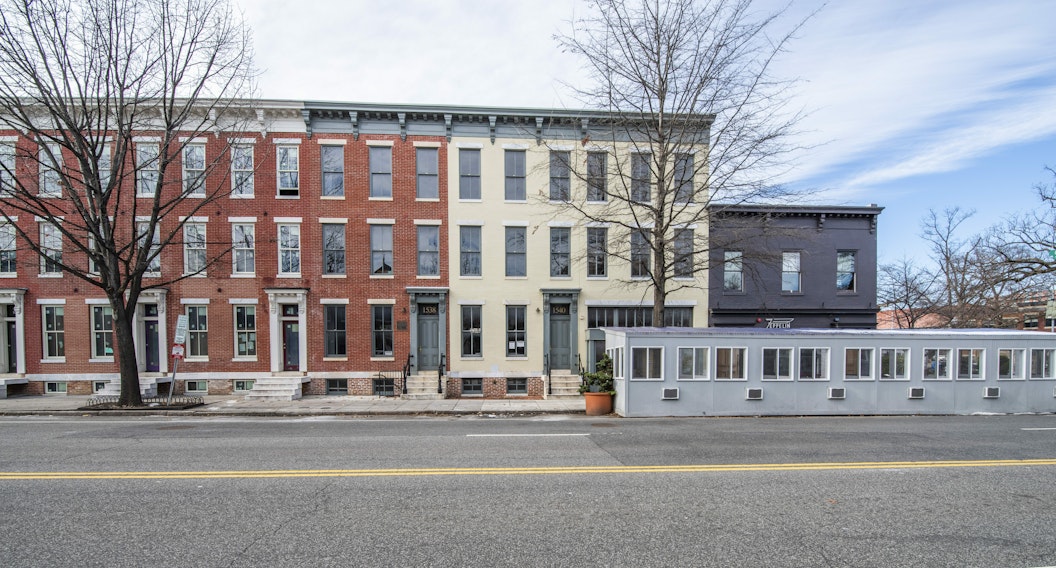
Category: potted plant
[597,388]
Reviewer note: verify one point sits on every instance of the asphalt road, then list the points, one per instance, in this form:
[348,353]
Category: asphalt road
[548,491]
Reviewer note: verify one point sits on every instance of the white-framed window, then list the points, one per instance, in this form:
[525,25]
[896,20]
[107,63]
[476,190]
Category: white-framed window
[194,248]
[730,363]
[813,363]
[105,164]
[857,364]
[50,163]
[50,248]
[196,386]
[288,164]
[472,333]
[515,189]
[333,248]
[148,155]
[469,250]
[970,364]
[427,170]
[894,363]
[641,253]
[516,331]
[683,178]
[151,241]
[55,387]
[560,252]
[54,332]
[244,385]
[641,182]
[428,250]
[243,251]
[937,364]
[597,177]
[516,251]
[245,331]
[1010,364]
[102,332]
[647,363]
[381,330]
[332,160]
[334,331]
[7,169]
[617,362]
[469,173]
[289,249]
[683,249]
[790,274]
[8,258]
[242,168]
[194,169]
[777,364]
[197,331]
[597,252]
[381,255]
[1043,363]
[846,270]
[560,175]
[693,363]
[733,271]
[381,171]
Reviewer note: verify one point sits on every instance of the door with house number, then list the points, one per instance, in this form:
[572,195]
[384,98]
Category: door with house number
[291,340]
[560,334]
[428,336]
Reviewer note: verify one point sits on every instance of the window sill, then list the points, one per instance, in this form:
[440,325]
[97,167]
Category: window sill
[243,275]
[858,380]
[471,358]
[1043,378]
[290,275]
[936,379]
[1011,379]
[101,360]
[693,380]
[516,357]
[732,380]
[196,359]
[466,200]
[379,198]
[429,277]
[335,276]
[287,196]
[525,201]
[332,197]
[383,276]
[53,361]
[474,277]
[243,359]
[335,359]
[50,275]
[248,196]
[508,277]
[8,275]
[386,358]
[777,380]
[195,275]
[657,380]
[812,380]
[598,278]
[428,199]
[971,379]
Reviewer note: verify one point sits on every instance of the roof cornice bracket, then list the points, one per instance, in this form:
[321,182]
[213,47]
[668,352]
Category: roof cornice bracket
[353,117]
[402,116]
[583,128]
[307,116]
[538,130]
[447,126]
[821,222]
[491,123]
[263,125]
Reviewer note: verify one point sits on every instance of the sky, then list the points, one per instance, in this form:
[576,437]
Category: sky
[911,105]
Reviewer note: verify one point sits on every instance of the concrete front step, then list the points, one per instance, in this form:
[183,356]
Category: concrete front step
[423,386]
[276,389]
[148,386]
[564,386]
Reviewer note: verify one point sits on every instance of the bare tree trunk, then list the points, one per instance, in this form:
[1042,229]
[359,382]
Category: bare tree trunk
[125,345]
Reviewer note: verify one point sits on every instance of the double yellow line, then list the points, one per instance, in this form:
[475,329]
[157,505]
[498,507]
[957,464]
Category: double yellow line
[570,470]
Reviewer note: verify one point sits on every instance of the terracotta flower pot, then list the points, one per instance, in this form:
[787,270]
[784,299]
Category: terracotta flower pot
[598,403]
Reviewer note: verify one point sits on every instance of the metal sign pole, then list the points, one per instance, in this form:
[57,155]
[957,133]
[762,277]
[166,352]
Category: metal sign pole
[172,385]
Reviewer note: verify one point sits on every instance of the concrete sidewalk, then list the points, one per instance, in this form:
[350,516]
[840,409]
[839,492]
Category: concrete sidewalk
[236,405]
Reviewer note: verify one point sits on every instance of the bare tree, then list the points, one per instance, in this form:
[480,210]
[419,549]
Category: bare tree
[909,291]
[689,117]
[78,80]
[1025,244]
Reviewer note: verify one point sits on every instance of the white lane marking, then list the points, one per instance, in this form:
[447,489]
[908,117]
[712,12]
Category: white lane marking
[521,435]
[1035,429]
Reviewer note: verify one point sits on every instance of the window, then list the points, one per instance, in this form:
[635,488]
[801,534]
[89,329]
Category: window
[893,364]
[50,171]
[674,316]
[102,332]
[1030,321]
[647,363]
[515,174]
[617,362]
[149,242]
[683,178]
[196,386]
[288,164]
[970,364]
[245,331]
[55,387]
[692,363]
[51,249]
[516,331]
[147,155]
[471,333]
[333,248]
[194,169]
[517,385]
[790,276]
[560,252]
[332,159]
[1010,363]
[193,248]
[640,186]
[198,331]
[54,332]
[858,364]
[597,251]
[244,385]
[381,171]
[427,169]
[104,165]
[729,363]
[813,363]
[468,173]
[7,249]
[242,253]
[639,254]
[597,176]
[334,332]
[683,250]
[289,249]
[1043,363]
[381,249]
[381,331]
[469,251]
[428,250]
[777,364]
[7,168]
[936,364]
[242,171]
[733,271]
[472,386]
[560,175]
[845,267]
[516,251]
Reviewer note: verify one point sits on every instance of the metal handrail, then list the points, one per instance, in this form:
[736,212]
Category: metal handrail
[546,371]
[407,371]
[440,374]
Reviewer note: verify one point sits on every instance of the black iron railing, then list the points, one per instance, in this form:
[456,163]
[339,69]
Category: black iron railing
[546,372]
[440,374]
[407,371]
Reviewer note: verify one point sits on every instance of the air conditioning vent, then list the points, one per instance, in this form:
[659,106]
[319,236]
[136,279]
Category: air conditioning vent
[755,394]
[837,393]
[916,392]
[992,392]
[670,394]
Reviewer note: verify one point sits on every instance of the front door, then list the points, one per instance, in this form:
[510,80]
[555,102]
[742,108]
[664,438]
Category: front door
[10,347]
[151,345]
[560,337]
[428,336]
[291,342]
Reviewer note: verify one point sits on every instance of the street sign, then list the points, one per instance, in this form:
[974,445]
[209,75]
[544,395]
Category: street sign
[177,351]
[181,330]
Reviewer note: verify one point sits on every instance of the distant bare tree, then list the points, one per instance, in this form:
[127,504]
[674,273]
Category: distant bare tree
[691,117]
[909,291]
[1025,244]
[79,79]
